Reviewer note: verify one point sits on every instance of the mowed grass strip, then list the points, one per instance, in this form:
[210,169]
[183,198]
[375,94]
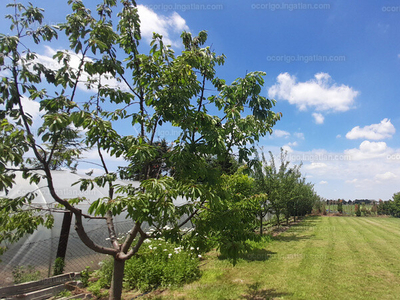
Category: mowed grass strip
[319,258]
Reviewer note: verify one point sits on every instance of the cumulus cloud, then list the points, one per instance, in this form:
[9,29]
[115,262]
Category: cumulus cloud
[320,93]
[323,182]
[287,148]
[368,150]
[169,27]
[280,133]
[318,118]
[385,176]
[106,80]
[31,107]
[383,130]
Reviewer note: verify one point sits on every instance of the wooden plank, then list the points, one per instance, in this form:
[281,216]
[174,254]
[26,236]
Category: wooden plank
[28,287]
[42,294]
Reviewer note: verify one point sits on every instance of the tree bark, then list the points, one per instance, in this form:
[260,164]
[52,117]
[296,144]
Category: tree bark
[64,235]
[117,279]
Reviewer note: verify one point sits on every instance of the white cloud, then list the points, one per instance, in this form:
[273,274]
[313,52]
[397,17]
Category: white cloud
[47,60]
[280,133]
[368,150]
[323,182]
[338,136]
[383,130]
[319,118]
[299,135]
[370,171]
[169,27]
[319,93]
[31,107]
[93,154]
[315,165]
[385,176]
[352,181]
[287,148]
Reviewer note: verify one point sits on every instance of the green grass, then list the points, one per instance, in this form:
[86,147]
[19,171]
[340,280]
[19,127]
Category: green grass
[320,258]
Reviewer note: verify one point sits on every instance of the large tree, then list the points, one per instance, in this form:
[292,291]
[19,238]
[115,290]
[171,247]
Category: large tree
[153,90]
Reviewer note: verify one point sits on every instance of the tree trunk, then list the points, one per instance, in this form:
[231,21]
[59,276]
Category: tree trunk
[261,224]
[117,279]
[64,234]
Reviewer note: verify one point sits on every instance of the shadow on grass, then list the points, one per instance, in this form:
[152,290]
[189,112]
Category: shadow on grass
[255,292]
[291,237]
[257,255]
[253,255]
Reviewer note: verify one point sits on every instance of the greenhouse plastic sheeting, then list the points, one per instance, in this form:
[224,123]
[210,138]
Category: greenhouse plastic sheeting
[38,250]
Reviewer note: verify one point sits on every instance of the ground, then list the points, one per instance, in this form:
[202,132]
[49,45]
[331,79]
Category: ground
[319,258]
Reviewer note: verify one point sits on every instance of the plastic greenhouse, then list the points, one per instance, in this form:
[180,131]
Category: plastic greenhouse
[37,252]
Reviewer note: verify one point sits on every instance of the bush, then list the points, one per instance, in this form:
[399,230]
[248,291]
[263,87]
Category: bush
[158,263]
[59,265]
[23,274]
[161,264]
[340,207]
[358,210]
[85,275]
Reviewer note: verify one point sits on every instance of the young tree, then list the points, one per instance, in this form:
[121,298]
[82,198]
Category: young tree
[151,90]
[340,206]
[286,191]
[232,217]
[267,183]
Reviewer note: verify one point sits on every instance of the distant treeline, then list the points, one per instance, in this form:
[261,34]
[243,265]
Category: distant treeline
[361,207]
[357,201]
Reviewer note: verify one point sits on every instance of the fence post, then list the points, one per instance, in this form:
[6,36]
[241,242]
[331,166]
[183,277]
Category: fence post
[64,234]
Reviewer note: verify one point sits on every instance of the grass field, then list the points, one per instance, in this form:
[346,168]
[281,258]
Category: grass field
[320,258]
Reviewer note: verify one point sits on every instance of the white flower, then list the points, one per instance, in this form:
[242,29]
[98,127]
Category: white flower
[169,255]
[146,241]
[197,248]
[191,248]
[199,256]
[150,247]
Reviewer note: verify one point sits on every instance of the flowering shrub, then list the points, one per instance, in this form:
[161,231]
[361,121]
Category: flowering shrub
[158,263]
[161,264]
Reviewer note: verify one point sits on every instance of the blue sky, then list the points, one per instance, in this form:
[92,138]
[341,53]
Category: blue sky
[332,66]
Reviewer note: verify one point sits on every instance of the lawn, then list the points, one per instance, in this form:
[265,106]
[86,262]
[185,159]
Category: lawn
[320,258]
